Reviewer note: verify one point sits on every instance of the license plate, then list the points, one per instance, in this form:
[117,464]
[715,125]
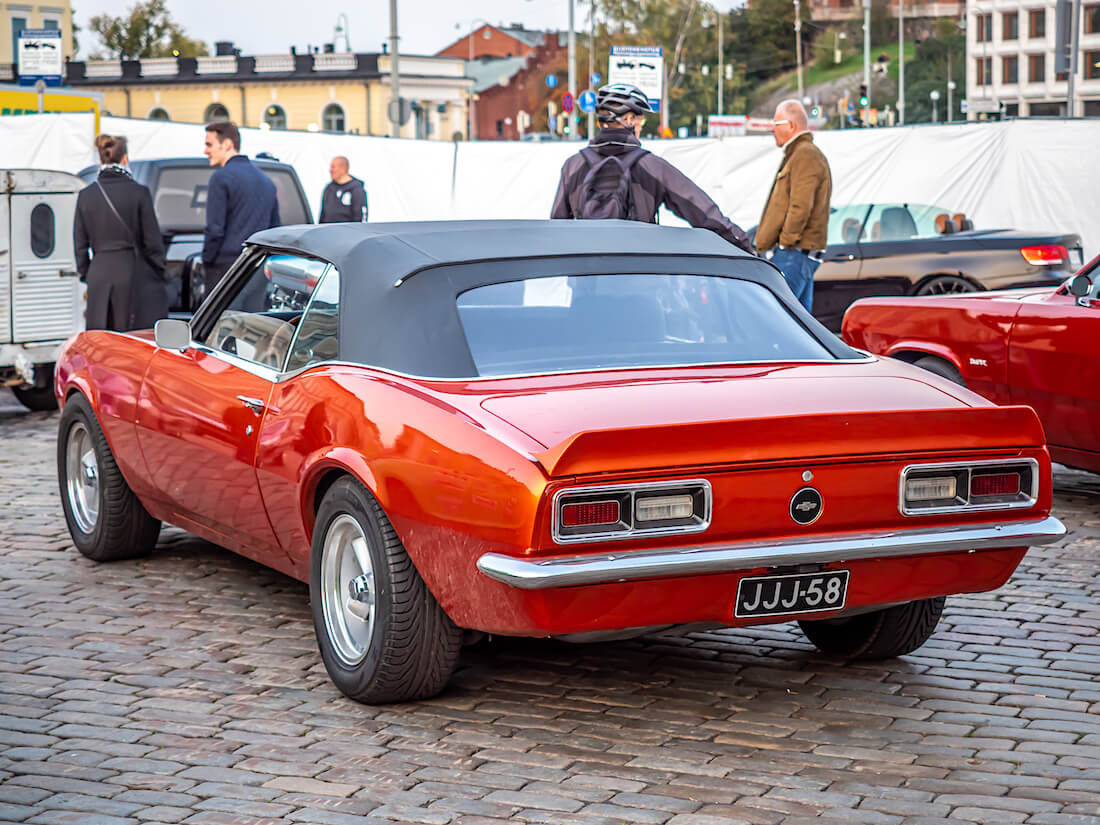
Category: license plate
[786,595]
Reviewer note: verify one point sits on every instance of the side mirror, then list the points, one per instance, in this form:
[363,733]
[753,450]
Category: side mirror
[1080,286]
[171,333]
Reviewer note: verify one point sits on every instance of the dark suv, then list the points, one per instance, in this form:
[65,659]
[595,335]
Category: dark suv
[179,198]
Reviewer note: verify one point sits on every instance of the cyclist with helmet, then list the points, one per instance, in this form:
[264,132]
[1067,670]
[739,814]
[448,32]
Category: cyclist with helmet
[614,177]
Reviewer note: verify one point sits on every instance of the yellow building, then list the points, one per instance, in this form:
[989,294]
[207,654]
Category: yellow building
[32,15]
[328,92]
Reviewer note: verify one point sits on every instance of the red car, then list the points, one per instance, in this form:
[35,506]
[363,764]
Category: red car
[1026,346]
[575,429]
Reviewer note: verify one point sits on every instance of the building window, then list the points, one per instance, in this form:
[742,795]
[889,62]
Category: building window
[51,23]
[275,116]
[1010,25]
[332,118]
[1012,110]
[1010,69]
[1092,108]
[1047,110]
[983,71]
[1092,19]
[985,28]
[17,25]
[42,231]
[1037,22]
[1036,68]
[1092,65]
[159,113]
[214,112]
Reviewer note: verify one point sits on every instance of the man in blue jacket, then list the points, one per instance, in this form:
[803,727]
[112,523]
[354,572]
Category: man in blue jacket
[240,200]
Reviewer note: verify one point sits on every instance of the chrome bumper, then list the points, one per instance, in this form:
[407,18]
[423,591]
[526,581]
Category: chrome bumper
[566,571]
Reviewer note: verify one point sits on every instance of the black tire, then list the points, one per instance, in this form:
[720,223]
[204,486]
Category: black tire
[940,367]
[105,518]
[393,643]
[945,285]
[39,398]
[880,634]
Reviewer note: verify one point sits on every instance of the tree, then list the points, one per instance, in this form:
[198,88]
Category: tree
[929,70]
[148,30]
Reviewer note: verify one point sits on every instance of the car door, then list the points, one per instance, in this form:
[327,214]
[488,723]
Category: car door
[837,277]
[201,410]
[1053,367]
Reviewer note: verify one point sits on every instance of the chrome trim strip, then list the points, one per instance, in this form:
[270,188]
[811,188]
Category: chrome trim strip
[1007,463]
[632,489]
[568,571]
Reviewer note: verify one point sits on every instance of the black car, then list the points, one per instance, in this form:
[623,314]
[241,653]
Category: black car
[179,189]
[911,249]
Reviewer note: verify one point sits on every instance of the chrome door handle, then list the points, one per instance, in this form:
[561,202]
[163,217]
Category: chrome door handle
[254,404]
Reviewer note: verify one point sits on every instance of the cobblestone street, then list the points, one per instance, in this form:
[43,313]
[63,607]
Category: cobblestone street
[187,688]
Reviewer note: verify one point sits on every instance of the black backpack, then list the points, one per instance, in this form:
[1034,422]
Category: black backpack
[605,190]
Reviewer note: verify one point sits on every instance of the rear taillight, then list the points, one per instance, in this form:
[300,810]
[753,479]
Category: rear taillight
[630,510]
[979,485]
[1045,255]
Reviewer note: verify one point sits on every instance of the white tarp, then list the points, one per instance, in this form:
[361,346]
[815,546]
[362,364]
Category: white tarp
[1025,174]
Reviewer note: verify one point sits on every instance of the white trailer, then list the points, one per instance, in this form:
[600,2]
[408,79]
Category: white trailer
[42,300]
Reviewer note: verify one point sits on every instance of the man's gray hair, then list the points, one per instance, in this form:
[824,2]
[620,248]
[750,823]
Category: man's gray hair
[794,111]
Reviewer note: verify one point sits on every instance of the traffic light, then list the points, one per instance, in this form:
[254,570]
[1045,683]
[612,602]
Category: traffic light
[863,99]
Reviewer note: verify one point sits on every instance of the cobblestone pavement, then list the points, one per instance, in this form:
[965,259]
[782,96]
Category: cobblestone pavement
[187,688]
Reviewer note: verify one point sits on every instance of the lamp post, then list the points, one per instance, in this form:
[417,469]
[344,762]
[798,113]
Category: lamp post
[901,62]
[935,96]
[395,74]
[798,42]
[471,117]
[950,109]
[837,37]
[867,49]
[572,71]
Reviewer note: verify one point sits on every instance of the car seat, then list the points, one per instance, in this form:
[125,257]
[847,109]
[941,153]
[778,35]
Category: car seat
[897,224]
[962,222]
[849,230]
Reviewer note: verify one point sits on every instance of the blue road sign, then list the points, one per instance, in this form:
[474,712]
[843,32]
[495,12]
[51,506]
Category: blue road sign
[551,80]
[586,101]
[594,79]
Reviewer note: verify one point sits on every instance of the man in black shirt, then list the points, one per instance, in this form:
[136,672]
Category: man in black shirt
[345,199]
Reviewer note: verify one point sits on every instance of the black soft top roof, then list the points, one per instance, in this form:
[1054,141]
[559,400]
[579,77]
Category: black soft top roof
[393,251]
[408,322]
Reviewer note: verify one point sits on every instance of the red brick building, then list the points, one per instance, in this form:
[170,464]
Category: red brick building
[509,67]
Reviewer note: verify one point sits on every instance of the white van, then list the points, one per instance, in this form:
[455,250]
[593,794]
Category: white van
[42,300]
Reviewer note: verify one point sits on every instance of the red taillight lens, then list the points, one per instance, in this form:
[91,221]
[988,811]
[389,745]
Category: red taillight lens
[1000,484]
[590,513]
[1045,255]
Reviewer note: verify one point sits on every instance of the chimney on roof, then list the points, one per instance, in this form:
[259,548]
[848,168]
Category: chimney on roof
[516,26]
[293,50]
[224,48]
[330,48]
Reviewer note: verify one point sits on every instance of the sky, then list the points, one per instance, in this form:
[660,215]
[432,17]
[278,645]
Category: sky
[425,26]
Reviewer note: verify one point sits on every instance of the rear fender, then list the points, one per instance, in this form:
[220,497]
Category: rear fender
[910,351]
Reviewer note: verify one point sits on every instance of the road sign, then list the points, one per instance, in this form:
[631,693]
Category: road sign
[641,66]
[39,56]
[567,103]
[594,79]
[586,101]
[551,80]
[987,106]
[399,111]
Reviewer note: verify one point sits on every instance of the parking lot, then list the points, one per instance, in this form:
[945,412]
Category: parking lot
[186,687]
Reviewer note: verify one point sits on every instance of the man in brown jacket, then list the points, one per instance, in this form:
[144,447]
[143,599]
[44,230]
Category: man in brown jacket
[796,216]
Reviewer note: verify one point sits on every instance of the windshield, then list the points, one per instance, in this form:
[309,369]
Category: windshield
[568,323]
[180,197]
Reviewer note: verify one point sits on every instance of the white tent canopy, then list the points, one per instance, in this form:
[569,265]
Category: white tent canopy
[1025,174]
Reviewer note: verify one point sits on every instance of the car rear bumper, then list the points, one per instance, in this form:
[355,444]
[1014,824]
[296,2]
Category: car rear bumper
[606,568]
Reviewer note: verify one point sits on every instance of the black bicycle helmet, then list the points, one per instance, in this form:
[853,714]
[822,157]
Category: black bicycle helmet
[616,99]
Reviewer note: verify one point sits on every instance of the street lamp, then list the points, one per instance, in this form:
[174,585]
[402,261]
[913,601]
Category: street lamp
[950,88]
[837,37]
[935,95]
[471,120]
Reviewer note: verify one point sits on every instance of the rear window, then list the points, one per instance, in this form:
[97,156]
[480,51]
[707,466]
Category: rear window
[585,322]
[180,197]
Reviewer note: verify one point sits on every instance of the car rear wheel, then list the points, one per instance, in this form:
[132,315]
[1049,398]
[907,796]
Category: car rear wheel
[880,634]
[940,367]
[382,635]
[38,398]
[105,518]
[945,285]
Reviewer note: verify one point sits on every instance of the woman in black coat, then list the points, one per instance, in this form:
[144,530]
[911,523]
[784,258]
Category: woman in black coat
[116,222]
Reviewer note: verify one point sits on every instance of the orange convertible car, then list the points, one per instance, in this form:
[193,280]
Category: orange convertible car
[575,429]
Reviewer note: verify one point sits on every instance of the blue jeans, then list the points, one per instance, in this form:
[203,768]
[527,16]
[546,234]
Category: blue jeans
[798,269]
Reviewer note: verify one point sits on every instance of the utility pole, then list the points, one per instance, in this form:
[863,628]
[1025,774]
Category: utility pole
[866,50]
[591,64]
[1071,77]
[572,72]
[950,87]
[901,63]
[395,74]
[721,66]
[798,43]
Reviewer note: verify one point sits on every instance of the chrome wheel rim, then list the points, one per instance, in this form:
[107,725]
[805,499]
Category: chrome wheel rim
[347,589]
[82,478]
[950,287]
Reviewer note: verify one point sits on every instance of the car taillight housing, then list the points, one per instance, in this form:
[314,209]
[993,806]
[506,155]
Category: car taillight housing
[925,489]
[623,511]
[1045,254]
